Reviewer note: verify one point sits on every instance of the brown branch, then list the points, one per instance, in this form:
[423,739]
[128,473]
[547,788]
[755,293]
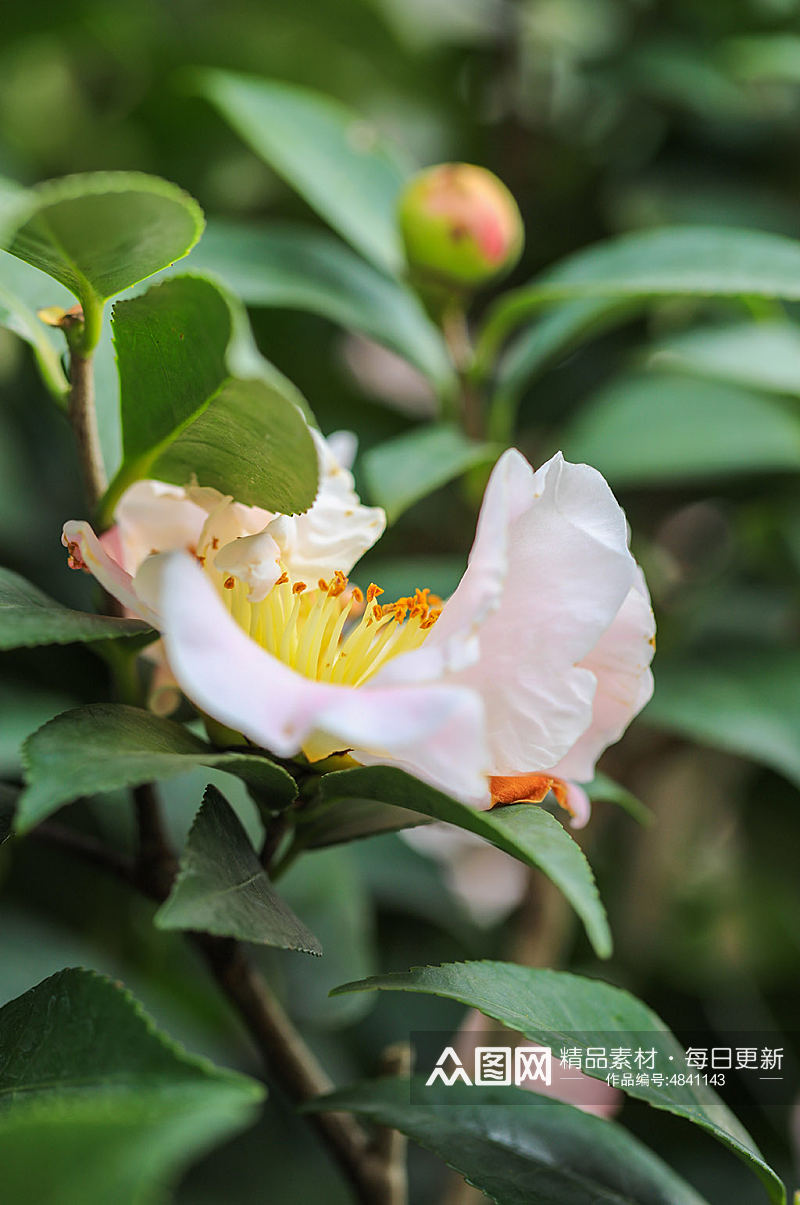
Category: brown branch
[88,848]
[83,419]
[296,1067]
[389,1146]
[375,1170]
[156,864]
[275,832]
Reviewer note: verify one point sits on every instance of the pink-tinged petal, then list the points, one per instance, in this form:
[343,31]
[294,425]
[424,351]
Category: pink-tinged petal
[336,531]
[153,517]
[620,661]
[442,741]
[254,560]
[453,643]
[87,551]
[434,731]
[226,520]
[248,519]
[578,804]
[549,570]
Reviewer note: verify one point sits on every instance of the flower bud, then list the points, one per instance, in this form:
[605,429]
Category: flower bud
[460,225]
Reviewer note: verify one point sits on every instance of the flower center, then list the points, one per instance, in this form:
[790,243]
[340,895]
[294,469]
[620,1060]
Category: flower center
[330,631]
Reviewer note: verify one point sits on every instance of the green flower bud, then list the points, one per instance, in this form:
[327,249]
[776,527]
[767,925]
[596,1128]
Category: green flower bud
[460,225]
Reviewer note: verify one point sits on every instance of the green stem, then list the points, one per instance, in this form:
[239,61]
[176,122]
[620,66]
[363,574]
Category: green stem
[459,343]
[92,308]
[502,416]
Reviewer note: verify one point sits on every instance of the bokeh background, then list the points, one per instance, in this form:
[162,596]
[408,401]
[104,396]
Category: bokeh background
[602,116]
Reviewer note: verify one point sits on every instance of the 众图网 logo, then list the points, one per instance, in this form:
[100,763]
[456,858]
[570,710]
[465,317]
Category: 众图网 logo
[501,1065]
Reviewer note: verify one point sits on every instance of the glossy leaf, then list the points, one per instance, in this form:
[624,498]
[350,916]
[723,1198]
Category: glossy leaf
[517,1147]
[744,700]
[96,1104]
[656,430]
[336,161]
[99,233]
[105,745]
[222,888]
[351,820]
[198,398]
[525,831]
[326,888]
[672,261]
[17,315]
[550,336]
[28,617]
[14,203]
[403,470]
[603,789]
[755,355]
[300,268]
[547,1006]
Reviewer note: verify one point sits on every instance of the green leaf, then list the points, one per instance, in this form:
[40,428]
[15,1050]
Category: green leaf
[516,1147]
[98,1105]
[555,1009]
[105,746]
[551,336]
[326,888]
[28,617]
[336,161]
[299,268]
[8,805]
[401,471]
[99,233]
[603,789]
[525,831]
[14,203]
[754,355]
[198,398]
[745,701]
[350,820]
[18,316]
[647,430]
[222,888]
[674,261]
[24,706]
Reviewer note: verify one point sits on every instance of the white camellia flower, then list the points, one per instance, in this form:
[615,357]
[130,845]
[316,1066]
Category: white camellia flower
[511,688]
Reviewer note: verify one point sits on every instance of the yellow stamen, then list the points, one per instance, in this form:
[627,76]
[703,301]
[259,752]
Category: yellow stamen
[330,632]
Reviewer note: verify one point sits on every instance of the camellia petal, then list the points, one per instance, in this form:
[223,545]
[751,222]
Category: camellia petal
[86,552]
[620,661]
[254,560]
[549,570]
[153,516]
[434,731]
[337,530]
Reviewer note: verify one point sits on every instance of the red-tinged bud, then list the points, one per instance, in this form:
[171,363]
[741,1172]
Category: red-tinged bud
[461,226]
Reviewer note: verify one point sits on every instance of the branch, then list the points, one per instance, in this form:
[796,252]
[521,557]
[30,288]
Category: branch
[372,1174]
[156,864]
[88,848]
[83,418]
[296,1067]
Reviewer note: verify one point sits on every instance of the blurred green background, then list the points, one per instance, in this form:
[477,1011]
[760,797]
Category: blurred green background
[602,116]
